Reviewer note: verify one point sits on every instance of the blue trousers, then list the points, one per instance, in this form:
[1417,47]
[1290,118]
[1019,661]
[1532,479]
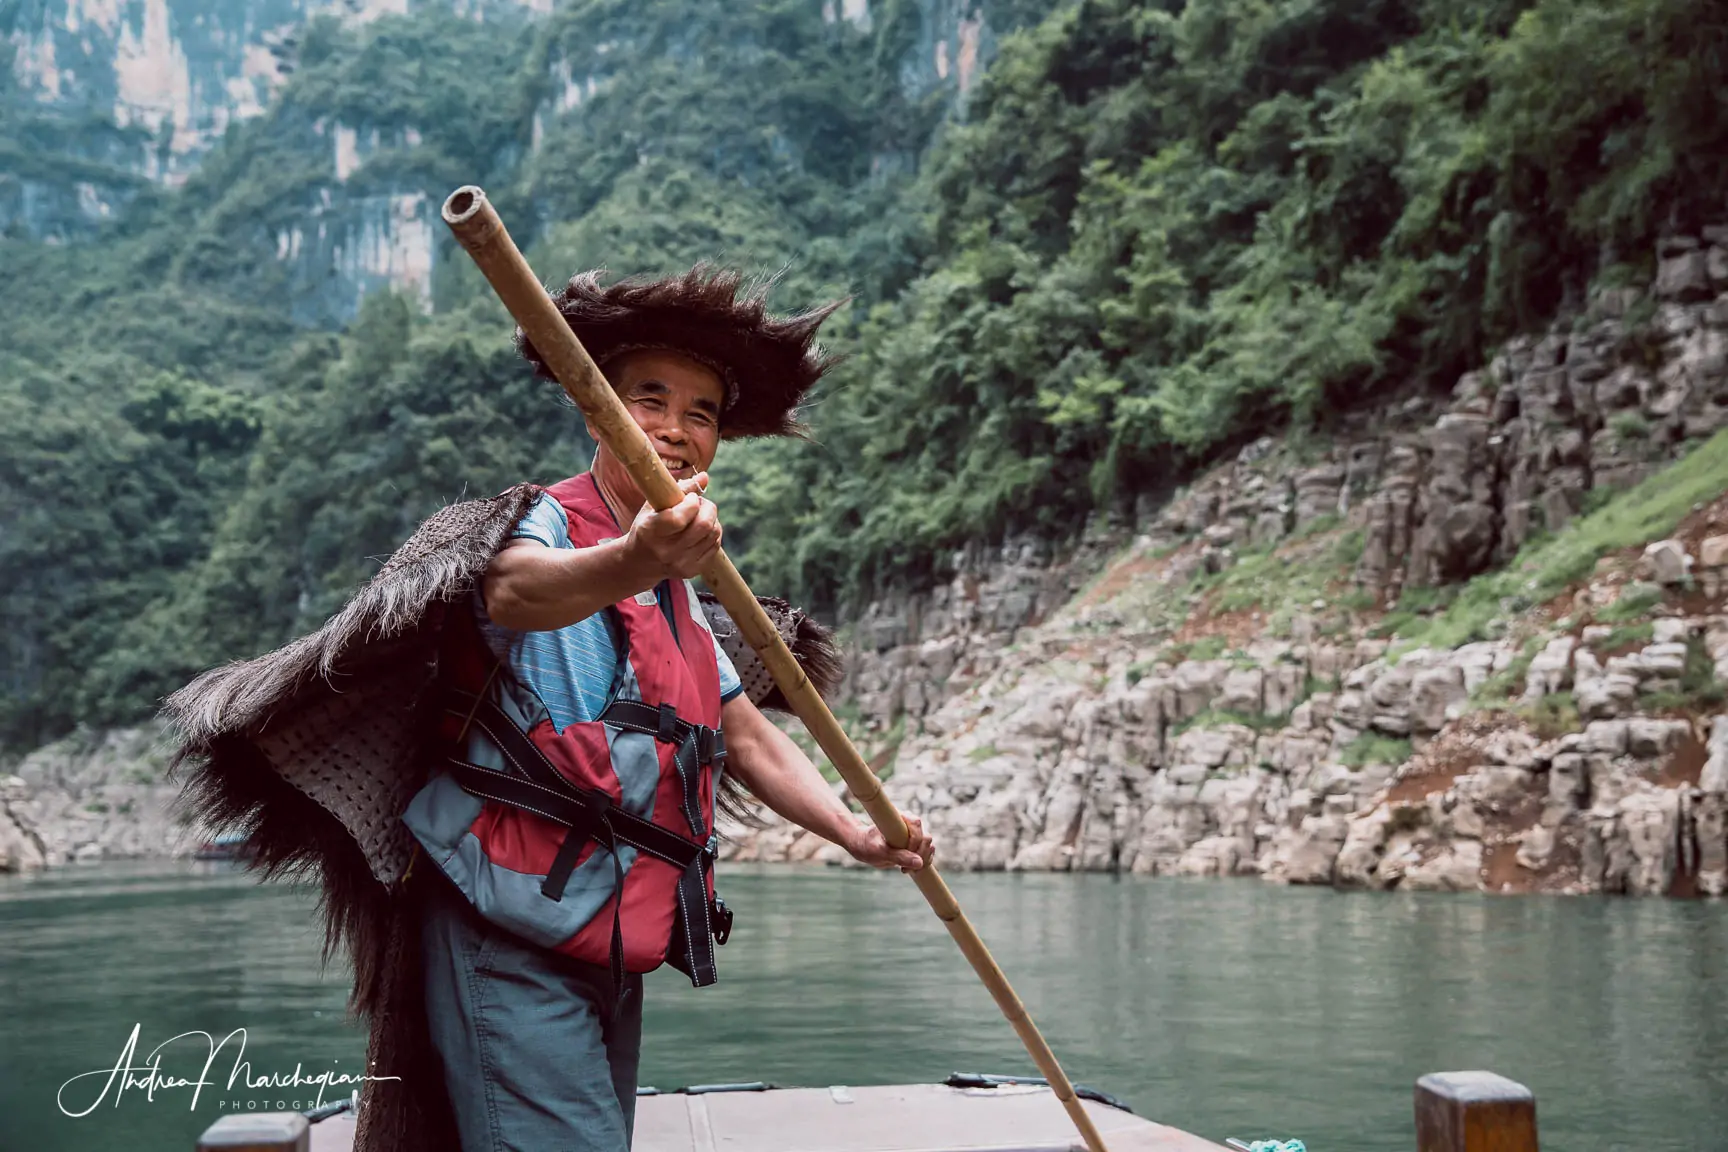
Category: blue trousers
[536,1056]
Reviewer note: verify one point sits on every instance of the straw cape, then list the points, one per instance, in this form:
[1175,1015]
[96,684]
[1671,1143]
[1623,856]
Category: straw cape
[313,751]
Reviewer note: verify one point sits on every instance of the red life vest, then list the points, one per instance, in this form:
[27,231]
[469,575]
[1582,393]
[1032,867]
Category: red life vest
[632,791]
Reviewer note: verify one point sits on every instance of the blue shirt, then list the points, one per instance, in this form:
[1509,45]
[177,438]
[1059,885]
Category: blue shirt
[571,669]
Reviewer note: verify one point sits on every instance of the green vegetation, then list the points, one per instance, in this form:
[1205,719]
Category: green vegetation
[1205,648]
[1374,748]
[1158,228]
[1162,228]
[1629,427]
[1635,601]
[1625,636]
[1553,715]
[1414,604]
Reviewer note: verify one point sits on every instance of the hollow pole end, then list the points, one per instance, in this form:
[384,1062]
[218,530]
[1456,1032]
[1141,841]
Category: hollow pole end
[464,204]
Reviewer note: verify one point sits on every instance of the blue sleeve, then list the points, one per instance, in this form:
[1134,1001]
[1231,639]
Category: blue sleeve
[730,685]
[545,522]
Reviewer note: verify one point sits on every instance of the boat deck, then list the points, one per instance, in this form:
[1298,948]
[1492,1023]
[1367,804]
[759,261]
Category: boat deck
[1455,1112]
[890,1118]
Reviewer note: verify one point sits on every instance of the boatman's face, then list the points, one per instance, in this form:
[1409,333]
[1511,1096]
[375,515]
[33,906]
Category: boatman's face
[676,400]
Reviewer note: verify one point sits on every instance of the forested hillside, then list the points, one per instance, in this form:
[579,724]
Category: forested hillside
[1142,233]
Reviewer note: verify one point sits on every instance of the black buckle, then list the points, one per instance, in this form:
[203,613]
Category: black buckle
[722,921]
[710,745]
[668,724]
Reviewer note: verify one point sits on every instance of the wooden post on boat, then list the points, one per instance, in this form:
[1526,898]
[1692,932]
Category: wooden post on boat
[258,1132]
[484,237]
[1474,1112]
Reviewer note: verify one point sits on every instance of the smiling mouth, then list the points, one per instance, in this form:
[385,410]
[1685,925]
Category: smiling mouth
[674,465]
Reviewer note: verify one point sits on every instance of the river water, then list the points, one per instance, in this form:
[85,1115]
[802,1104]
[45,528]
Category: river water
[1228,1008]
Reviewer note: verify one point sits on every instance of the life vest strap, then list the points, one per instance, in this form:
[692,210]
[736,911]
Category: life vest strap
[537,786]
[698,745]
[696,929]
[663,723]
[591,813]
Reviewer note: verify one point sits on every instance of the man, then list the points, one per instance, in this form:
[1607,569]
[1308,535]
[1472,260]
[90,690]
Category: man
[592,712]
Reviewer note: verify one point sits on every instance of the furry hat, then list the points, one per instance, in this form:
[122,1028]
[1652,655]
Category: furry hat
[767,363]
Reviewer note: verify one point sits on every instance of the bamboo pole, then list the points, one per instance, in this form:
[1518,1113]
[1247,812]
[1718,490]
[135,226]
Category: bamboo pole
[477,226]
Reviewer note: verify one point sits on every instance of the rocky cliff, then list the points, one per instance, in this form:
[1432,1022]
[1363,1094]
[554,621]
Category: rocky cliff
[1469,642]
[91,796]
[104,99]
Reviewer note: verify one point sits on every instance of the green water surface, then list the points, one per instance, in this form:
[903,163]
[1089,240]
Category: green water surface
[1229,1008]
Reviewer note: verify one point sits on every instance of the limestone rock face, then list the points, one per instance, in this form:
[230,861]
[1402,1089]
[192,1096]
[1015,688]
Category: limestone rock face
[1047,730]
[1457,868]
[21,850]
[91,797]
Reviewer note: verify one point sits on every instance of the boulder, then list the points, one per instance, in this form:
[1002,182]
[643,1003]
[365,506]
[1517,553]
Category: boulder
[1457,868]
[1607,737]
[1046,714]
[1359,858]
[1535,847]
[1649,821]
[1389,698]
[1460,542]
[1605,858]
[1194,685]
[1284,686]
[1214,856]
[1648,739]
[1318,492]
[1242,691]
[1606,697]
[1663,661]
[1568,780]
[1436,695]
[1481,660]
[1293,750]
[1612,779]
[1550,669]
[1713,552]
[1350,709]
[1497,787]
[1684,277]
[1665,562]
[1670,630]
[1714,780]
[20,850]
[1311,850]
[1232,803]
[1209,748]
[1710,829]
[1513,748]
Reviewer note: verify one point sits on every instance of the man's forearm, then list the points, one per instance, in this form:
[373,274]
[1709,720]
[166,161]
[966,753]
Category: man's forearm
[779,774]
[533,588]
